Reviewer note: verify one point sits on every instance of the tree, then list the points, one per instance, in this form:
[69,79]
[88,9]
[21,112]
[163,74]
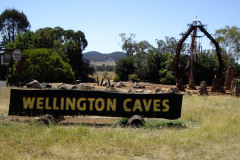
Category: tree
[68,44]
[87,69]
[170,45]
[12,22]
[22,41]
[128,44]
[143,47]
[45,65]
[124,67]
[204,68]
[229,40]
[44,38]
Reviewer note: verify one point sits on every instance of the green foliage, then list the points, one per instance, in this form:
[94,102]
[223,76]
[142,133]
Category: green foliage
[166,76]
[86,69]
[128,43]
[133,78]
[155,62]
[12,22]
[124,67]
[22,41]
[123,121]
[229,40]
[116,78]
[204,68]
[45,65]
[67,43]
[169,45]
[44,38]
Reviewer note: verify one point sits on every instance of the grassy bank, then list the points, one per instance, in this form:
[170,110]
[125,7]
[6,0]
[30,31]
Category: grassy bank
[213,132]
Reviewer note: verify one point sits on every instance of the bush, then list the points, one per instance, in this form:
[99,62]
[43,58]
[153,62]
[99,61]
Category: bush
[116,78]
[166,77]
[123,121]
[45,65]
[133,77]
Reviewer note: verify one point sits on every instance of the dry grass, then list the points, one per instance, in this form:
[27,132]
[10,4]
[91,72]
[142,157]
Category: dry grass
[213,132]
[4,100]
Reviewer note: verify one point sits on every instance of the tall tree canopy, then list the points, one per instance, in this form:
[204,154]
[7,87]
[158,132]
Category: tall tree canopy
[12,22]
[68,44]
[128,43]
[229,40]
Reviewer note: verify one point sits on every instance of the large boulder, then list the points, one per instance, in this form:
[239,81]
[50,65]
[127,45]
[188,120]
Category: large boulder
[34,84]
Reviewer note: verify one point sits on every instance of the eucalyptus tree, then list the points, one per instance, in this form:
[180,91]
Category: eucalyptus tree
[12,22]
[129,44]
[229,40]
[68,44]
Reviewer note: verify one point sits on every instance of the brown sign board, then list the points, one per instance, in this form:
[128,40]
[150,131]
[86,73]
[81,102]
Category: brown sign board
[98,103]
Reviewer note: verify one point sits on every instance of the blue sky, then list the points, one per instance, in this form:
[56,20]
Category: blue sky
[103,20]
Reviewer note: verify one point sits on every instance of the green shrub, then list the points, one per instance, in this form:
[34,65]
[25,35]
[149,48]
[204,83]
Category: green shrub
[123,121]
[116,78]
[166,76]
[45,65]
[133,77]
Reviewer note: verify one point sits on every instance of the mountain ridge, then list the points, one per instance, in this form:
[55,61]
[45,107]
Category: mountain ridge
[95,56]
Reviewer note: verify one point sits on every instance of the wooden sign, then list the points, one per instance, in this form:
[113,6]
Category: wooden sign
[98,103]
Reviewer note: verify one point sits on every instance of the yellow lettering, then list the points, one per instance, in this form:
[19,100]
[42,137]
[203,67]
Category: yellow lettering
[62,103]
[47,104]
[40,102]
[81,108]
[166,105]
[125,104]
[101,100]
[137,105]
[28,102]
[55,107]
[156,105]
[70,103]
[146,104]
[91,100]
[111,104]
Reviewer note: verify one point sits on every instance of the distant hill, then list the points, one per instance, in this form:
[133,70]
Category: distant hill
[98,58]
